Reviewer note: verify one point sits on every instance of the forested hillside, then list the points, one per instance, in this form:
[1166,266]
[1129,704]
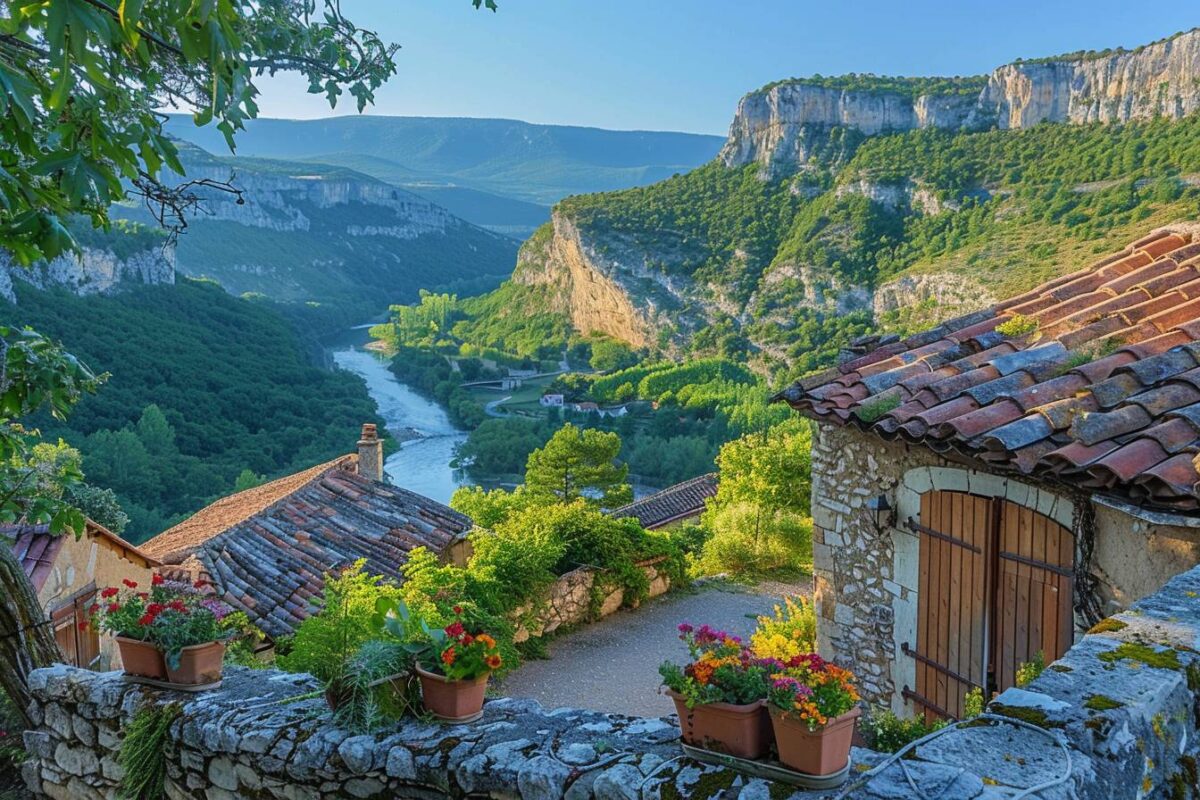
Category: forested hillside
[203,387]
[893,230]
[328,236]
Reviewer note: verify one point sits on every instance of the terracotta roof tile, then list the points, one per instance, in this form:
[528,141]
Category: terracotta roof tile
[1105,392]
[671,504]
[270,548]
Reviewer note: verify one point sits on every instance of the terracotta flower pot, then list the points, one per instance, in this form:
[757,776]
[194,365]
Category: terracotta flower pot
[820,752]
[738,730]
[200,663]
[142,659]
[451,700]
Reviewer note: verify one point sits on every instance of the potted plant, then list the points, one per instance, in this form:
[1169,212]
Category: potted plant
[170,633]
[121,612]
[719,694]
[813,710]
[456,668]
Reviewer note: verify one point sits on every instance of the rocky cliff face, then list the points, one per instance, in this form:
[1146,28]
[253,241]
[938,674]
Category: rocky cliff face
[607,289]
[772,126]
[93,271]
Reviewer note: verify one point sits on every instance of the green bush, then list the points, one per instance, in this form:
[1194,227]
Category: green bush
[887,733]
[751,540]
[325,642]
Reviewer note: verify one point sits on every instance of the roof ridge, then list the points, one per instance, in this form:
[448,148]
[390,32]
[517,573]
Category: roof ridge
[176,541]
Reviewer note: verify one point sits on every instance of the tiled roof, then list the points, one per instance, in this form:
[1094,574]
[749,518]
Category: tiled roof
[269,548]
[675,502]
[1095,382]
[36,548]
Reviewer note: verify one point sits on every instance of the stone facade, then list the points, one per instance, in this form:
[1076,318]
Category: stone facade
[262,736]
[569,601]
[865,574]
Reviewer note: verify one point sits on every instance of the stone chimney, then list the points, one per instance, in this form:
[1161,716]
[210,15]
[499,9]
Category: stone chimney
[370,453]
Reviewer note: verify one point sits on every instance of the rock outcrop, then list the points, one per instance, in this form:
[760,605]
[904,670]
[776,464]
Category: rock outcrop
[92,271]
[774,127]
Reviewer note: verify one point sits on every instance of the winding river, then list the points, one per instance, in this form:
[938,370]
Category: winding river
[422,464]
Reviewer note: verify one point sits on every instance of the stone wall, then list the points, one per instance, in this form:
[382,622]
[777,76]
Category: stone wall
[865,575]
[569,601]
[1116,717]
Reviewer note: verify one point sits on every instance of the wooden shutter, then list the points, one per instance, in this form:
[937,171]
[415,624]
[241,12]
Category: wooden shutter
[1034,591]
[79,647]
[994,588]
[952,600]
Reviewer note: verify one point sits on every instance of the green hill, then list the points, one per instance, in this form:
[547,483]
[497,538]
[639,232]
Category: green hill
[536,163]
[231,378]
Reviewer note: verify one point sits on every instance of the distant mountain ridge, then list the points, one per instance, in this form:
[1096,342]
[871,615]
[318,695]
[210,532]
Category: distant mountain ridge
[839,205]
[311,233]
[779,126]
[536,164]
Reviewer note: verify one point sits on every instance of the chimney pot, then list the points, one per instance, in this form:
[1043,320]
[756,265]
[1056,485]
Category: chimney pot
[370,453]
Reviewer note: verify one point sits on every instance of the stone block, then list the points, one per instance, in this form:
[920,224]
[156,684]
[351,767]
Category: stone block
[542,778]
[223,773]
[76,760]
[918,480]
[948,479]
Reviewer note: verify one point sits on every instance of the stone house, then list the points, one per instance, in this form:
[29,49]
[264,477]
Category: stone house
[987,490]
[674,506]
[67,572]
[267,549]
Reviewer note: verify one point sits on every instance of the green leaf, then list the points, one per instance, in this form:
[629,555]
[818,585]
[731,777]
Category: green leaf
[129,12]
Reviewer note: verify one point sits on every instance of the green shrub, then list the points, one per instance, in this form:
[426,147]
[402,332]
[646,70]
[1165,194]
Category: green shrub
[749,539]
[325,642]
[887,733]
[143,753]
[1028,671]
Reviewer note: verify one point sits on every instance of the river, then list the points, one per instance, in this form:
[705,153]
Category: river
[421,464]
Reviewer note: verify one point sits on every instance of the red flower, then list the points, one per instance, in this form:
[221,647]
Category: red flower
[454,630]
[154,609]
[448,656]
[143,596]
[466,640]
[157,580]
[129,583]
[177,605]
[93,608]
[458,609]
[111,591]
[114,608]
[146,619]
[83,626]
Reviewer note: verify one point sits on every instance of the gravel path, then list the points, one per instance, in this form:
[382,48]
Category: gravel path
[612,665]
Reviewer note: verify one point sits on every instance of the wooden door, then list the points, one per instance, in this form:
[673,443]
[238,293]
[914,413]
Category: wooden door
[79,647]
[994,589]
[952,627]
[1034,591]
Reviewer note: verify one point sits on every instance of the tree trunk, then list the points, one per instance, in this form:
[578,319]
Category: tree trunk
[26,638]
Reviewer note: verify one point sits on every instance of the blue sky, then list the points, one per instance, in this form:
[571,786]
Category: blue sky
[682,65]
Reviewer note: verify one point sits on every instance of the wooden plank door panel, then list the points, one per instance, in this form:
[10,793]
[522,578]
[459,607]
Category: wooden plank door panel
[950,651]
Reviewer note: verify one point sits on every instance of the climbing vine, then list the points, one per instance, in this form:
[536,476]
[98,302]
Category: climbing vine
[1087,597]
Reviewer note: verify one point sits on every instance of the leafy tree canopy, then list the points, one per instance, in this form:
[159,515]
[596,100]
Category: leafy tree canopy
[577,464]
[82,82]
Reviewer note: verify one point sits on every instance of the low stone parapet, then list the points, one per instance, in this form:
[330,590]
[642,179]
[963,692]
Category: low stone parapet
[1115,718]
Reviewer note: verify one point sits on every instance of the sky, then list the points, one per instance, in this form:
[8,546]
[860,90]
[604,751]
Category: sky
[683,64]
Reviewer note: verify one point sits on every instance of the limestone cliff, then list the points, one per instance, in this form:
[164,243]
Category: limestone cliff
[775,126]
[596,289]
[95,270]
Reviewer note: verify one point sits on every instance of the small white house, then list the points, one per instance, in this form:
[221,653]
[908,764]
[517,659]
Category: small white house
[551,401]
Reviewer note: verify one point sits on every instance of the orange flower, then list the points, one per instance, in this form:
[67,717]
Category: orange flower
[493,661]
[448,656]
[486,640]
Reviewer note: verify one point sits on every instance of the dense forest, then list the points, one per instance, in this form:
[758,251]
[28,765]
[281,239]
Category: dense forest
[204,388]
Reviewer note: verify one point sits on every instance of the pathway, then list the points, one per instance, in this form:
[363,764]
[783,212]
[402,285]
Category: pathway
[612,665]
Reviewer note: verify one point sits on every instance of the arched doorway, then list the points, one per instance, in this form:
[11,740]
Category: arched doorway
[994,590]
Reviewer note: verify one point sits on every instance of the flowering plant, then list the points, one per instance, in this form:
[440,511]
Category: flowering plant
[464,656]
[722,669]
[812,689]
[171,615]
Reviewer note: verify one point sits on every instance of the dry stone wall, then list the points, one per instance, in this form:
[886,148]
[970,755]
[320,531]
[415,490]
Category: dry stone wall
[1117,717]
